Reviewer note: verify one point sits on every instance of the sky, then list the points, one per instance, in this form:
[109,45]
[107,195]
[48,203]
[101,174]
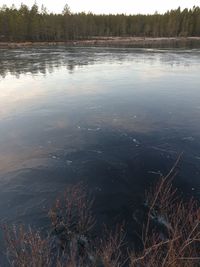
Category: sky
[109,6]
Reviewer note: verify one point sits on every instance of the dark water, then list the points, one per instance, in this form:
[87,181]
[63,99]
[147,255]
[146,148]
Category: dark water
[112,118]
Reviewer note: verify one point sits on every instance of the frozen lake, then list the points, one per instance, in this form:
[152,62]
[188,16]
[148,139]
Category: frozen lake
[112,118]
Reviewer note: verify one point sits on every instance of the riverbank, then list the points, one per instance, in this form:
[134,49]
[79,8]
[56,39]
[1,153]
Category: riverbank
[137,42]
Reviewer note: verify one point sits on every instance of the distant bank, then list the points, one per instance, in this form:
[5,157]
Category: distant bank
[137,42]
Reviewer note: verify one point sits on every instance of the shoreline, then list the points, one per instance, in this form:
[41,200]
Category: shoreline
[160,42]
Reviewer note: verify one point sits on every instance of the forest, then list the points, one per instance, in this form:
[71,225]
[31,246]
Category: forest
[37,24]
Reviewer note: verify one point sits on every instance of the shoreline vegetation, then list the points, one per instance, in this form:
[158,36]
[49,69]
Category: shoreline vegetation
[143,42]
[37,25]
[169,233]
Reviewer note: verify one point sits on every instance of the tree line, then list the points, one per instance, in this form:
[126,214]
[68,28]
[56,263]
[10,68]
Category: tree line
[37,24]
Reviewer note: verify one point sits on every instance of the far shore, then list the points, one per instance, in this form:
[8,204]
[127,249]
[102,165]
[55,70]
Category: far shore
[115,42]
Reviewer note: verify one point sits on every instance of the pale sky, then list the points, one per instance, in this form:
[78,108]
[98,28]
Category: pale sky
[109,6]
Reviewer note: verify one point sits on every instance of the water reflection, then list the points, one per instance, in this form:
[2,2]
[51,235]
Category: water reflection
[112,118]
[35,61]
[123,90]
[43,60]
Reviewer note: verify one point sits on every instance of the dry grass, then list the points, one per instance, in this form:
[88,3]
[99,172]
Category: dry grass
[178,243]
[72,213]
[110,248]
[170,234]
[26,248]
[72,221]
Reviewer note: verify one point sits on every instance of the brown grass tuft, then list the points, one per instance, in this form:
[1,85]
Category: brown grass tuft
[170,234]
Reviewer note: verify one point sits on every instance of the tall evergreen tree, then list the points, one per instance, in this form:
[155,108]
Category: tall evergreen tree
[35,24]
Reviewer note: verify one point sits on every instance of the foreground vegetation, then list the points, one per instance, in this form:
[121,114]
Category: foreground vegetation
[34,24]
[170,234]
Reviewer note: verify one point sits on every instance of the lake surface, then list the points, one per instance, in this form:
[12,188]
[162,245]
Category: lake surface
[112,118]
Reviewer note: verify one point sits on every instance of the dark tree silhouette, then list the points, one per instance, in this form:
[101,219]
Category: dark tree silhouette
[37,24]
